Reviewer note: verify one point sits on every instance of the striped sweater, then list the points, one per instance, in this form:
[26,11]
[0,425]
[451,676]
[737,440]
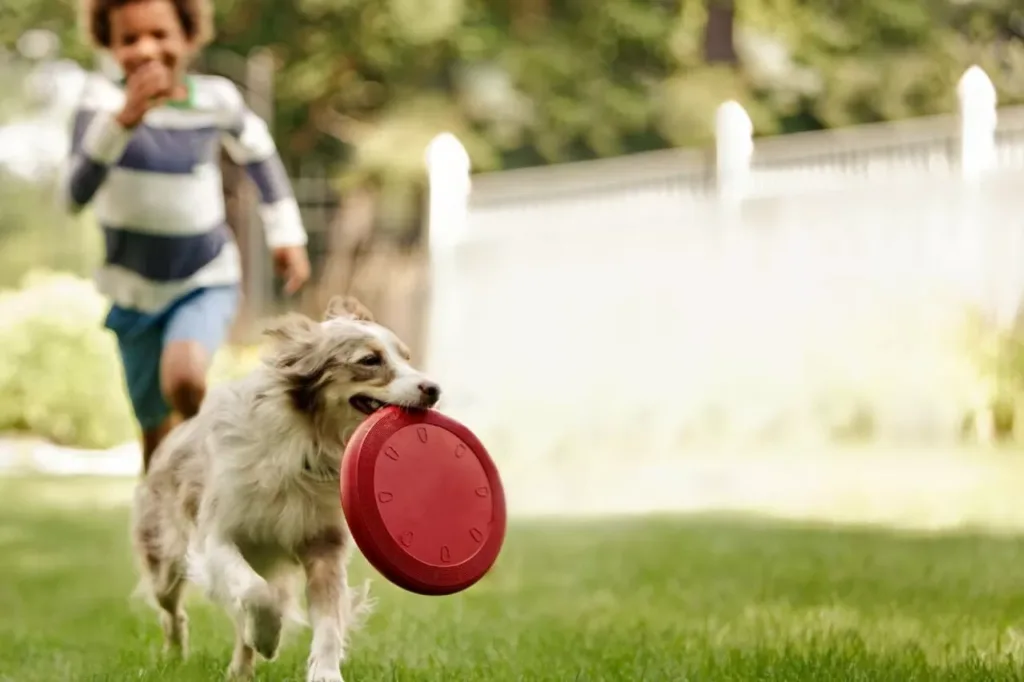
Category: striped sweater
[156,190]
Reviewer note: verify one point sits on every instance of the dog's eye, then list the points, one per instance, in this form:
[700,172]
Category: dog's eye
[372,360]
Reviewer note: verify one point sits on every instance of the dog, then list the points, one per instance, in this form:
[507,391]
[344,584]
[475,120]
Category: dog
[242,499]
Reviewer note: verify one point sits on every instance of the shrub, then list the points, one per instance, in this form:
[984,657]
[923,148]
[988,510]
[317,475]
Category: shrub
[35,233]
[60,377]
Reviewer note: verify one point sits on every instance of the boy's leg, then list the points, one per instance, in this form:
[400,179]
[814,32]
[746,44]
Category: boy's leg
[195,329]
[140,356]
[152,437]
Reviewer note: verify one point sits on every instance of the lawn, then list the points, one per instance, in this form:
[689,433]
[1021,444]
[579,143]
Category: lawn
[688,598]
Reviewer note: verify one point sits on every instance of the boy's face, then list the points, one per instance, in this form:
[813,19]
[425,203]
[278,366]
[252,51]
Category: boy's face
[145,31]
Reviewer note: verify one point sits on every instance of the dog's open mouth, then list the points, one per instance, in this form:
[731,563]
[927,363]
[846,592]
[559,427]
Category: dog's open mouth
[366,404]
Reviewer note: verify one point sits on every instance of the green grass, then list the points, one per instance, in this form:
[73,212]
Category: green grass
[694,598]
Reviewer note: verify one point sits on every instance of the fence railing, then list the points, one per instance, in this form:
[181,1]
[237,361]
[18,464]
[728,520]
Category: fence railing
[930,144]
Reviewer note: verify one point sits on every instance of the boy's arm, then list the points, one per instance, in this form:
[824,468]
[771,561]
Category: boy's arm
[97,142]
[249,143]
[104,123]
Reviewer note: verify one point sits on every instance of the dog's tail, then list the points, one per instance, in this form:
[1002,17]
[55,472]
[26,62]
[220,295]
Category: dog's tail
[143,590]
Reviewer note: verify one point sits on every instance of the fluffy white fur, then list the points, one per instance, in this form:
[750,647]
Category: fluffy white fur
[242,500]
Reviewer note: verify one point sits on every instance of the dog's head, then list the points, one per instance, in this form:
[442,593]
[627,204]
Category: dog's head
[345,367]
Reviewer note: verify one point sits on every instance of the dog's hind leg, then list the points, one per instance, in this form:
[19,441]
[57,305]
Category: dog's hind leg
[163,574]
[168,588]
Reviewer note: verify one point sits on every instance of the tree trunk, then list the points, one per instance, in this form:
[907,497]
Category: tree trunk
[719,46]
[528,16]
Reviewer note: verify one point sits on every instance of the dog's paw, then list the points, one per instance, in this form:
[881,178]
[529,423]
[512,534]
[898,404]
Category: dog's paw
[175,650]
[175,635]
[323,673]
[262,621]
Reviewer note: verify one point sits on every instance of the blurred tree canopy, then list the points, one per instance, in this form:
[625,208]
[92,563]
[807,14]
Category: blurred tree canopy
[363,84]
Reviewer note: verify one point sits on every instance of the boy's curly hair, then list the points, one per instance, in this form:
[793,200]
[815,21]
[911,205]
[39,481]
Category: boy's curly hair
[196,17]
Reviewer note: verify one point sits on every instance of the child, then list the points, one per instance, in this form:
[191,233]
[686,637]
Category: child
[145,156]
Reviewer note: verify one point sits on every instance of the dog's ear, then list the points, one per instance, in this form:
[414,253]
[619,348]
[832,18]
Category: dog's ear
[347,306]
[292,328]
[298,358]
[294,339]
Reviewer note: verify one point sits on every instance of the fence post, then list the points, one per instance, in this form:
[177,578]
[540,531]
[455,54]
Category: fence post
[734,138]
[734,151]
[978,118]
[448,167]
[448,170]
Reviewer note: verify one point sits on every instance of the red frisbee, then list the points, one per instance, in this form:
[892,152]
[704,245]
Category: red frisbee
[423,500]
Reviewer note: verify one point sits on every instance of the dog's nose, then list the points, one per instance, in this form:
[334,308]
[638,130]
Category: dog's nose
[430,391]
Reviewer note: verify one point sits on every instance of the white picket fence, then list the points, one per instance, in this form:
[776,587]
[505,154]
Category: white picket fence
[789,289]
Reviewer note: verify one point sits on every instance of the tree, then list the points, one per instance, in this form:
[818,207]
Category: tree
[363,83]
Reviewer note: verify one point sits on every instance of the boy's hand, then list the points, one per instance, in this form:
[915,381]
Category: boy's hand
[147,88]
[292,264]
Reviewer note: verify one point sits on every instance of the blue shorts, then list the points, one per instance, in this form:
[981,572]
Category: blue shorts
[204,315]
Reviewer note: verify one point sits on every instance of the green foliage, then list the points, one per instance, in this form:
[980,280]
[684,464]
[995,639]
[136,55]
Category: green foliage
[998,355]
[876,60]
[35,232]
[59,373]
[59,16]
[361,83]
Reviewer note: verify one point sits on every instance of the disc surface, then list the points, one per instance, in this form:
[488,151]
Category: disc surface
[423,500]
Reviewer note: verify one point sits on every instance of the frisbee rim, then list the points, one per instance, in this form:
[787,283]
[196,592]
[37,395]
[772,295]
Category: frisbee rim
[367,525]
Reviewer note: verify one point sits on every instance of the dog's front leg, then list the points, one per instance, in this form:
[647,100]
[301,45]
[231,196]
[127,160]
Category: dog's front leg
[323,559]
[254,603]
